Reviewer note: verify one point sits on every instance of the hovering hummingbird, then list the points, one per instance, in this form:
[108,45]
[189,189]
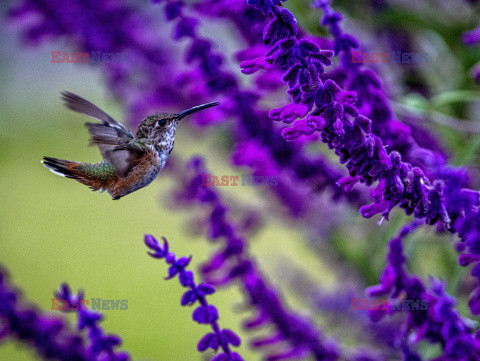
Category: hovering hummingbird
[129,162]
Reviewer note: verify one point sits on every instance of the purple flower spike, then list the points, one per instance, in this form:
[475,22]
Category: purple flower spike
[369,144]
[204,313]
[265,6]
[49,335]
[102,346]
[431,312]
[294,336]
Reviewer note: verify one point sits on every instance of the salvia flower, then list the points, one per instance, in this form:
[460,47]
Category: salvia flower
[400,183]
[265,6]
[337,119]
[471,37]
[252,124]
[247,21]
[294,336]
[101,346]
[143,81]
[50,336]
[371,99]
[438,322]
[205,313]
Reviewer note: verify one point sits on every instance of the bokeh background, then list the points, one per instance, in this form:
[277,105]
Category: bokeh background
[54,230]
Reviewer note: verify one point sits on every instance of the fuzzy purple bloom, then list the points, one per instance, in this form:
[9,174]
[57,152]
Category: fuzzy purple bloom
[371,99]
[295,336]
[205,313]
[472,37]
[252,123]
[265,6]
[344,129]
[248,22]
[143,81]
[439,322]
[49,335]
[101,346]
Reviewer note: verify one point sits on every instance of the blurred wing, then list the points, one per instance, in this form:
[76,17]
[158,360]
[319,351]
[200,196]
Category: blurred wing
[116,143]
[117,147]
[83,106]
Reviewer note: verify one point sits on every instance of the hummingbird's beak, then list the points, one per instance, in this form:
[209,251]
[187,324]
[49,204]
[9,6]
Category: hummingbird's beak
[195,109]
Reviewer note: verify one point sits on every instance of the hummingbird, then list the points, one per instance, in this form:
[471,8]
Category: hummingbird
[129,162]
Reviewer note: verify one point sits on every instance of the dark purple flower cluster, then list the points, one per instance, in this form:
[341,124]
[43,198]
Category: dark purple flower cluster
[265,6]
[295,336]
[314,172]
[371,100]
[143,81]
[302,62]
[344,128]
[439,322]
[49,335]
[200,50]
[247,21]
[350,134]
[101,346]
[204,313]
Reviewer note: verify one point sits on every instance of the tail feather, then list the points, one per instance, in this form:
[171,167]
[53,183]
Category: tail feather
[73,170]
[63,168]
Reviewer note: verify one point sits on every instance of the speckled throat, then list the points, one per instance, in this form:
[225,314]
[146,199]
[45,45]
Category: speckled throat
[163,141]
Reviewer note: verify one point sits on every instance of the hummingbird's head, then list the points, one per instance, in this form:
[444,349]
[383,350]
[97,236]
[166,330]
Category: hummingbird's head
[159,129]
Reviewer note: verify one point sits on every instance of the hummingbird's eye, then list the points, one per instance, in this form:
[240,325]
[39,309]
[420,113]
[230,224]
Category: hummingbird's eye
[162,122]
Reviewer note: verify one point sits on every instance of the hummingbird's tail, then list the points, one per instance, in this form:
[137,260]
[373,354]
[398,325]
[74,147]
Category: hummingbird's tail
[85,173]
[63,168]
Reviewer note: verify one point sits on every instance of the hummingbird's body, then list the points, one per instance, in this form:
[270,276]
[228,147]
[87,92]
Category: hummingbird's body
[130,162]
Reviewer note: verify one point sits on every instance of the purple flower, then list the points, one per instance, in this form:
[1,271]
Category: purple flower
[144,81]
[50,336]
[437,323]
[294,335]
[265,6]
[209,77]
[351,135]
[204,313]
[472,37]
[101,345]
[248,22]
[371,99]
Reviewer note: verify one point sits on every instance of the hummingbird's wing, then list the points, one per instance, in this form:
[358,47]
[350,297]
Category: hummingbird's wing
[119,148]
[83,106]
[116,143]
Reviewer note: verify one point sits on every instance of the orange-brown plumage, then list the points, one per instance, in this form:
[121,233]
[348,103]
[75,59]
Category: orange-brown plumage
[144,170]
